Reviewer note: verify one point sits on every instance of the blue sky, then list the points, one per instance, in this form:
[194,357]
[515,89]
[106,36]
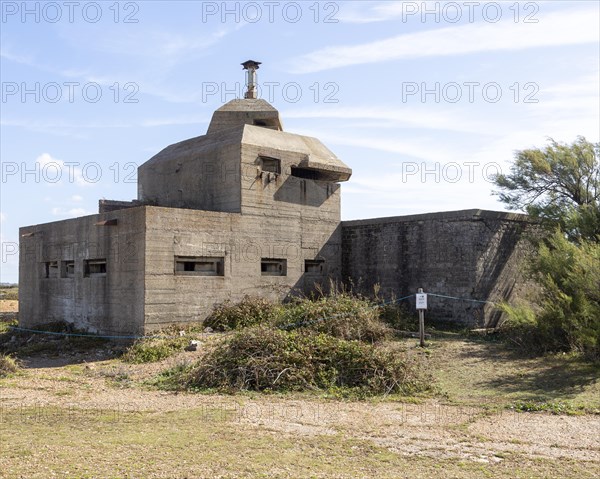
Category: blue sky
[425,101]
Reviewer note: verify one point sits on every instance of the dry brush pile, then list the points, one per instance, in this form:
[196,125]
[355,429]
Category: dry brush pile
[334,343]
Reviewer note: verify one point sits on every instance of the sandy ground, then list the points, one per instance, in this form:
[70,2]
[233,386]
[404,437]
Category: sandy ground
[431,428]
[9,306]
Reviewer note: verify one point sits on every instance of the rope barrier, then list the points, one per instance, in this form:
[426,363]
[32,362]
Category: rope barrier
[82,335]
[460,299]
[285,327]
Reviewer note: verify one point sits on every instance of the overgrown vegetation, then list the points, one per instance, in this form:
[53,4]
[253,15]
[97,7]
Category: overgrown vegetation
[327,343]
[264,358]
[249,311]
[567,314]
[340,314]
[8,365]
[53,338]
[560,186]
[154,349]
[10,293]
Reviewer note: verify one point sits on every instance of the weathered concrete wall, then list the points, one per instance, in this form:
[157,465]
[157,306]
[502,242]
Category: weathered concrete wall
[242,240]
[284,194]
[200,173]
[106,206]
[111,303]
[470,254]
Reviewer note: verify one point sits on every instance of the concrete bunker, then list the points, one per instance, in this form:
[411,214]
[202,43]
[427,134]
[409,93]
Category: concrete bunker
[249,208]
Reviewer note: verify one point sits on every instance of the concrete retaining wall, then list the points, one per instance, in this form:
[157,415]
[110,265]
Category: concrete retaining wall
[471,254]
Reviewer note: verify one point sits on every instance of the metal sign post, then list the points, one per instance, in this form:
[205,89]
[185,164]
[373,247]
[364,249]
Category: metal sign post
[421,307]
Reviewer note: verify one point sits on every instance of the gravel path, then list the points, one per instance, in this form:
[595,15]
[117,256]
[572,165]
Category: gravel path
[431,428]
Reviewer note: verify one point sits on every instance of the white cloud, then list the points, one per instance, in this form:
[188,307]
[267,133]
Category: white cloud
[428,10]
[451,119]
[370,12]
[2,217]
[7,54]
[421,148]
[161,46]
[72,212]
[558,28]
[53,171]
[77,198]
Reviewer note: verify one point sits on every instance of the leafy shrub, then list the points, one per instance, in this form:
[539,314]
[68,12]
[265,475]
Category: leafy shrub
[263,358]
[249,311]
[567,316]
[171,379]
[521,329]
[340,315]
[398,317]
[8,365]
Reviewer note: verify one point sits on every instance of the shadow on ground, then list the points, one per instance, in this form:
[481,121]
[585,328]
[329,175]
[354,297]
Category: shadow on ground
[56,350]
[490,370]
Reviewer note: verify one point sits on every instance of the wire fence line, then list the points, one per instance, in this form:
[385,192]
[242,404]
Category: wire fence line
[284,327]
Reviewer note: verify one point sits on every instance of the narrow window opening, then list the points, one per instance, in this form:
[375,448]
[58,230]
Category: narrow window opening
[313,266]
[310,174]
[200,265]
[273,267]
[68,269]
[269,123]
[51,269]
[271,165]
[94,267]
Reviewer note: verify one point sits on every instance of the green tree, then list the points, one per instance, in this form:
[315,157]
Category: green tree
[558,184]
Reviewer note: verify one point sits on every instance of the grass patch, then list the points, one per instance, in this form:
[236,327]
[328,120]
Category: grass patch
[154,349]
[8,365]
[171,379]
[10,293]
[268,359]
[554,407]
[481,372]
[119,378]
[193,443]
[163,344]
[5,327]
